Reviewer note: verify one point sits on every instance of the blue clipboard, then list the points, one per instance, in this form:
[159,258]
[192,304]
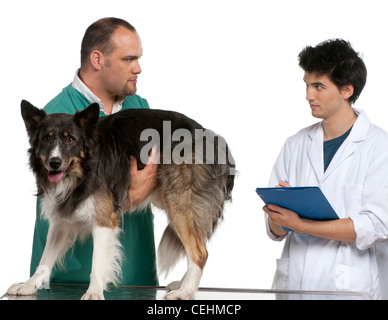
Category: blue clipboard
[307,202]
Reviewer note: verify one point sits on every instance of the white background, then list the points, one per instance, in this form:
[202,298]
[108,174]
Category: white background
[231,65]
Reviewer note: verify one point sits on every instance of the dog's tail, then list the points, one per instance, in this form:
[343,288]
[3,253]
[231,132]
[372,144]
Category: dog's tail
[170,250]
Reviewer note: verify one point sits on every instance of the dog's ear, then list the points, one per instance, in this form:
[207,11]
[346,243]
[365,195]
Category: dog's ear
[87,119]
[32,116]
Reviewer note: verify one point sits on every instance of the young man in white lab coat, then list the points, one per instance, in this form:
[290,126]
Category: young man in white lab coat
[347,157]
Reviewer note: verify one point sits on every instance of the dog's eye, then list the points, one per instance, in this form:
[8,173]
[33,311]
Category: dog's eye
[46,138]
[70,139]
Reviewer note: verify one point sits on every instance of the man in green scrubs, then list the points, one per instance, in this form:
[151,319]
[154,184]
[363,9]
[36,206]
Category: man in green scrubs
[110,52]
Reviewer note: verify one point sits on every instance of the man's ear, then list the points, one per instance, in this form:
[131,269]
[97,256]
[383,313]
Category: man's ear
[96,59]
[32,116]
[87,119]
[347,91]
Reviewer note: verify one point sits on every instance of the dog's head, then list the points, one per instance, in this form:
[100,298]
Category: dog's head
[59,142]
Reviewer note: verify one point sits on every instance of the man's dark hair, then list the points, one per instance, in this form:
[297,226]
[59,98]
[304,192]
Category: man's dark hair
[98,37]
[339,61]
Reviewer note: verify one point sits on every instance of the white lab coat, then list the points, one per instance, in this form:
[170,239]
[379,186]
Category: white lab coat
[356,185]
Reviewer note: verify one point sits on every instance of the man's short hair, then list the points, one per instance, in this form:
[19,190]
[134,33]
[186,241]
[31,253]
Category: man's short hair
[98,37]
[339,61]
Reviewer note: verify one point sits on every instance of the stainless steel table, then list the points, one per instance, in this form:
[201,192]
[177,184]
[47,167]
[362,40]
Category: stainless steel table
[63,291]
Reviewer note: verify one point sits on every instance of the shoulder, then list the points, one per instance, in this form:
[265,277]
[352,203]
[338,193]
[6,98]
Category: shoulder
[68,101]
[305,134]
[373,131]
[135,102]
[373,148]
[368,131]
[378,137]
[372,140]
[378,132]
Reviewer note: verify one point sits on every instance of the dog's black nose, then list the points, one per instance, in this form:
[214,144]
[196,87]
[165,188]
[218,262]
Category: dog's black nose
[55,163]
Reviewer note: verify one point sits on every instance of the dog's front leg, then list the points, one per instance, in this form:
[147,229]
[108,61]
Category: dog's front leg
[56,245]
[105,262]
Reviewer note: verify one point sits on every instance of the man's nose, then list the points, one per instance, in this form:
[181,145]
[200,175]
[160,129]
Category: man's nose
[309,94]
[136,67]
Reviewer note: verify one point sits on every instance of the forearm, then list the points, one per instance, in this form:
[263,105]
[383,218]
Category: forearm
[340,229]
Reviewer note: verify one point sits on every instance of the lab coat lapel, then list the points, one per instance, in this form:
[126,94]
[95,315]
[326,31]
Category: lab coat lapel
[350,145]
[346,150]
[315,150]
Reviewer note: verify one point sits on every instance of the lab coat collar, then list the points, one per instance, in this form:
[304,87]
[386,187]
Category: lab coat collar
[360,127]
[349,146]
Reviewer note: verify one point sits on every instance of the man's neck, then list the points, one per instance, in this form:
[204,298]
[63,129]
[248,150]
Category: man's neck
[337,125]
[94,86]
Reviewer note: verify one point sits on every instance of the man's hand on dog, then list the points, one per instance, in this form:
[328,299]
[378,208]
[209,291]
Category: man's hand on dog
[142,181]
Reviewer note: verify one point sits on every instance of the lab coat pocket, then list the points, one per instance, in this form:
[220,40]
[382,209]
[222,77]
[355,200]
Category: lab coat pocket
[348,278]
[281,275]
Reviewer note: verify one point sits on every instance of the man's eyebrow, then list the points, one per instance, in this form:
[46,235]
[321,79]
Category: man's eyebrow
[317,83]
[130,57]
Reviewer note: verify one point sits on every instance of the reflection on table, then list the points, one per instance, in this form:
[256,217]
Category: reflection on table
[65,291]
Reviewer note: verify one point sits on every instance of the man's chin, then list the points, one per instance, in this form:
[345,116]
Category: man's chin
[130,91]
[316,114]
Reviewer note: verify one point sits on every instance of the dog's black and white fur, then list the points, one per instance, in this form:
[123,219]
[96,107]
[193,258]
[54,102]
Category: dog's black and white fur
[82,168]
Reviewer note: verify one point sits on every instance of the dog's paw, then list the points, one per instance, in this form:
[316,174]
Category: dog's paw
[90,295]
[22,289]
[40,278]
[180,295]
[174,285]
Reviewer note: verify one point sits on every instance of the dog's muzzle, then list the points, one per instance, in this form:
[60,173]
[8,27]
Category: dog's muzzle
[55,175]
[55,163]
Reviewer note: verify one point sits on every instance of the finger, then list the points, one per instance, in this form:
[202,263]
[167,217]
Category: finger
[284,184]
[133,164]
[273,216]
[268,210]
[274,207]
[153,155]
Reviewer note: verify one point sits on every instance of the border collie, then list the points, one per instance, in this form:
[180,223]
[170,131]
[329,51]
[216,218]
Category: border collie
[82,168]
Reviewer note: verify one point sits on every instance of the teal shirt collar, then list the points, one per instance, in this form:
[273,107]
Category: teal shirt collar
[81,87]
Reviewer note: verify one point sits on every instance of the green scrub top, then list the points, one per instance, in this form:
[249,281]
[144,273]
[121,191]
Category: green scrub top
[137,236]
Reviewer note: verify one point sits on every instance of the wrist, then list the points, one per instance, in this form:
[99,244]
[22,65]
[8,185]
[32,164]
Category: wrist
[277,229]
[134,199]
[303,226]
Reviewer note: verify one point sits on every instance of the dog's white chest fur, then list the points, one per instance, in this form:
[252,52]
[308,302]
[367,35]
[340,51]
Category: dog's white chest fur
[84,213]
